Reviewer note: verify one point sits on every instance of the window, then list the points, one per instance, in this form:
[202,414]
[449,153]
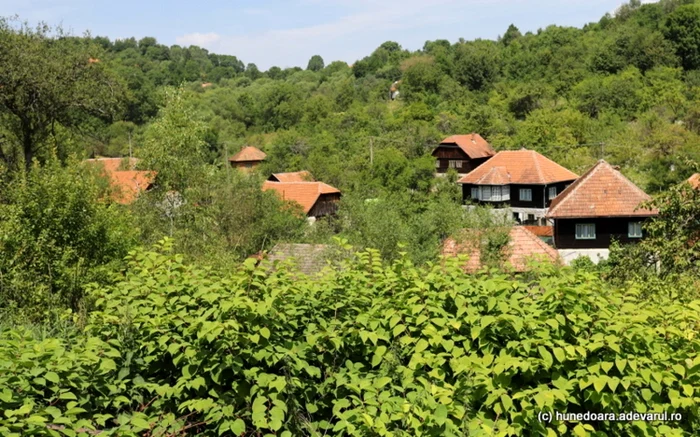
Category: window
[455,164]
[486,193]
[634,230]
[552,192]
[585,231]
[496,194]
[475,193]
[526,194]
[437,163]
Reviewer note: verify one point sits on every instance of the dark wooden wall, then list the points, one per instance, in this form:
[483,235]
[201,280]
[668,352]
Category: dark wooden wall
[539,194]
[327,204]
[444,154]
[606,230]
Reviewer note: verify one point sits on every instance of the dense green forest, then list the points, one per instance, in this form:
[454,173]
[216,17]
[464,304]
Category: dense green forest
[147,319]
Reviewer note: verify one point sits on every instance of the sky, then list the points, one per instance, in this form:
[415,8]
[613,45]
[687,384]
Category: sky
[288,33]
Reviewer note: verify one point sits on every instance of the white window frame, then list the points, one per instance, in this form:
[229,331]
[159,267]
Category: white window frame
[552,192]
[475,193]
[585,231]
[632,227]
[437,163]
[496,195]
[525,194]
[486,193]
[455,163]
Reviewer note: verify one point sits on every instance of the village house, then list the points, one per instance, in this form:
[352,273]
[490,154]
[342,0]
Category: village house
[523,248]
[522,182]
[317,199]
[125,182]
[247,159]
[601,206]
[463,153]
[297,176]
[694,181]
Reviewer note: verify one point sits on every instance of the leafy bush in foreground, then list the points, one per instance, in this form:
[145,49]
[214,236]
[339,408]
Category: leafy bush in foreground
[366,350]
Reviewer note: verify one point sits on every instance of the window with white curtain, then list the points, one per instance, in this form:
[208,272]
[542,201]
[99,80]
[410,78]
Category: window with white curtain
[552,192]
[526,194]
[486,193]
[475,193]
[585,231]
[634,230]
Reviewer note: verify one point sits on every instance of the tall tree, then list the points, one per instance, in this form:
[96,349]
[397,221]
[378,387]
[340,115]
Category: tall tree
[683,29]
[315,63]
[47,79]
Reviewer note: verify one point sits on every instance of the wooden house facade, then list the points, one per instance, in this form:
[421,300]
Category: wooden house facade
[522,180]
[463,153]
[602,206]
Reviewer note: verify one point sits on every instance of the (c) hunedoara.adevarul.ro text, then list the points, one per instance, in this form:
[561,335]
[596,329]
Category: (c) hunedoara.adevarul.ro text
[588,416]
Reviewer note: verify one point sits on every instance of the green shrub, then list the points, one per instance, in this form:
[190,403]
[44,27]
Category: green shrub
[367,350]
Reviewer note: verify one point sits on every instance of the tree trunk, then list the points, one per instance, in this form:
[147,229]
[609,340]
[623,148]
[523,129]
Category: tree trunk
[28,150]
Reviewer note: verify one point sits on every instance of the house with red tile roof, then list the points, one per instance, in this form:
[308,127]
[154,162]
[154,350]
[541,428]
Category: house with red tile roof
[601,206]
[297,176]
[247,158]
[126,182]
[694,181]
[317,199]
[463,153]
[523,248]
[523,181]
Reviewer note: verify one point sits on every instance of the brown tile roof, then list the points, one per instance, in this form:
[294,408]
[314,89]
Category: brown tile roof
[297,176]
[472,144]
[304,193]
[521,167]
[601,192]
[495,176]
[248,153]
[308,258]
[129,183]
[694,181]
[126,182]
[522,247]
[541,231]
[114,164]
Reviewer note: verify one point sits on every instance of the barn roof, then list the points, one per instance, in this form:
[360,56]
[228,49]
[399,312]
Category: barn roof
[304,193]
[519,167]
[248,153]
[601,192]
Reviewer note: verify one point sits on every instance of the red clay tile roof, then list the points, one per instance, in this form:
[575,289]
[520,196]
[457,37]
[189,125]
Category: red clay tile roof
[522,247]
[304,193]
[472,144]
[129,183]
[495,176]
[114,164]
[601,192]
[522,167]
[694,181]
[541,231]
[297,176]
[248,153]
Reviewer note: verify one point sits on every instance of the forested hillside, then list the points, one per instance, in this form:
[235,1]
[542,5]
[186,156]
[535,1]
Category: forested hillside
[150,317]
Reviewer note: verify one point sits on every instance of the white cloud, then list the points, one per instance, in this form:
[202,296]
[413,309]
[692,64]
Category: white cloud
[198,39]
